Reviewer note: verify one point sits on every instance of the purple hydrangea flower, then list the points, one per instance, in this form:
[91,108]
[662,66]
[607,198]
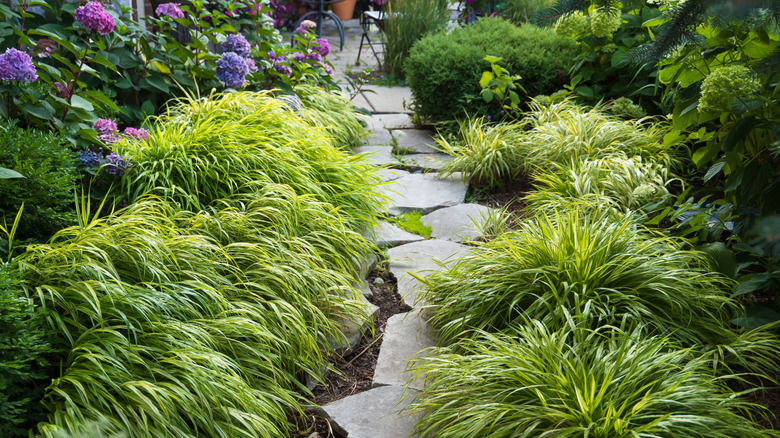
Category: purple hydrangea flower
[324,46]
[107,130]
[169,9]
[89,158]
[328,69]
[238,44]
[251,65]
[283,69]
[138,134]
[232,69]
[94,17]
[16,65]
[298,57]
[116,164]
[271,55]
[314,56]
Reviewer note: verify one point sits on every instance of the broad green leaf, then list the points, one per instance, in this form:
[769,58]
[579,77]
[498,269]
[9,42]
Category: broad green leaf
[714,170]
[79,102]
[492,59]
[9,173]
[486,78]
[705,153]
[487,95]
[103,61]
[757,49]
[102,98]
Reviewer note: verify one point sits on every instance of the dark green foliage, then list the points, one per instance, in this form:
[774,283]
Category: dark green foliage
[24,351]
[49,170]
[444,70]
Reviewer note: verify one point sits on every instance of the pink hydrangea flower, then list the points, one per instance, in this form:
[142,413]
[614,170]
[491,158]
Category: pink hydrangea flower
[138,134]
[324,46]
[94,17]
[107,130]
[169,9]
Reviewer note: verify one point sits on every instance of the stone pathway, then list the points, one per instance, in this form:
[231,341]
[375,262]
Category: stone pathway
[395,142]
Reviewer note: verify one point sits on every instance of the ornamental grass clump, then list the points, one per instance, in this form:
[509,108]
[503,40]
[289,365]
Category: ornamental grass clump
[578,263]
[334,113]
[182,323]
[622,184]
[206,150]
[486,154]
[576,382]
[563,133]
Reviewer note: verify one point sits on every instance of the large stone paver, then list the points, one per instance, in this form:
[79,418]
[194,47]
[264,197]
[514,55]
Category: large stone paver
[457,223]
[380,136]
[390,121]
[389,174]
[375,413]
[418,140]
[424,193]
[378,155]
[426,161]
[406,338]
[389,99]
[389,235]
[421,258]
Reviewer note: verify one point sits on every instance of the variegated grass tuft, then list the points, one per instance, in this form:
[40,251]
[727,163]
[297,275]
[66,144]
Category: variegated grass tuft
[575,382]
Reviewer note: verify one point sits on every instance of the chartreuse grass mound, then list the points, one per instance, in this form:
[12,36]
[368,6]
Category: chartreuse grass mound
[187,324]
[575,382]
[202,307]
[204,150]
[572,264]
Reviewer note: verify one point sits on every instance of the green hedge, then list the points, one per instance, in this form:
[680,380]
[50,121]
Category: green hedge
[443,70]
[50,176]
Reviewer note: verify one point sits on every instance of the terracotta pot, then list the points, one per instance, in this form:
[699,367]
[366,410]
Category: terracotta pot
[344,9]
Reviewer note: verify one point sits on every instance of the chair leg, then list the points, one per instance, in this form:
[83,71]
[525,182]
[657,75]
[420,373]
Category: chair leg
[360,50]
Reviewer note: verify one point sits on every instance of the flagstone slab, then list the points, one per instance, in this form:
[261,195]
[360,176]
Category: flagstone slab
[406,338]
[390,121]
[418,140]
[389,235]
[425,161]
[423,192]
[380,136]
[457,223]
[390,174]
[421,258]
[378,155]
[375,413]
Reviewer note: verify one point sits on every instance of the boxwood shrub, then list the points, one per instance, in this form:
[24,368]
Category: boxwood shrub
[443,70]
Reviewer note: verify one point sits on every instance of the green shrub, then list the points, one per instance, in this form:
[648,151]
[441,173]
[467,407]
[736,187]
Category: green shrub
[408,21]
[47,189]
[25,354]
[443,70]
[575,382]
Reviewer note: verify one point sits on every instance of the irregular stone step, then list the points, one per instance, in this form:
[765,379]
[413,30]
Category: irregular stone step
[457,223]
[378,155]
[389,235]
[375,413]
[352,331]
[425,161]
[388,174]
[380,136]
[418,140]
[421,257]
[423,192]
[406,337]
[390,121]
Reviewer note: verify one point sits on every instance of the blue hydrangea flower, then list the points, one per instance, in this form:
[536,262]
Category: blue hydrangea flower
[116,164]
[16,65]
[89,159]
[232,70]
[237,44]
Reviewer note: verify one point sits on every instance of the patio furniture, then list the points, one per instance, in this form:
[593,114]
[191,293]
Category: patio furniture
[369,18]
[318,14]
